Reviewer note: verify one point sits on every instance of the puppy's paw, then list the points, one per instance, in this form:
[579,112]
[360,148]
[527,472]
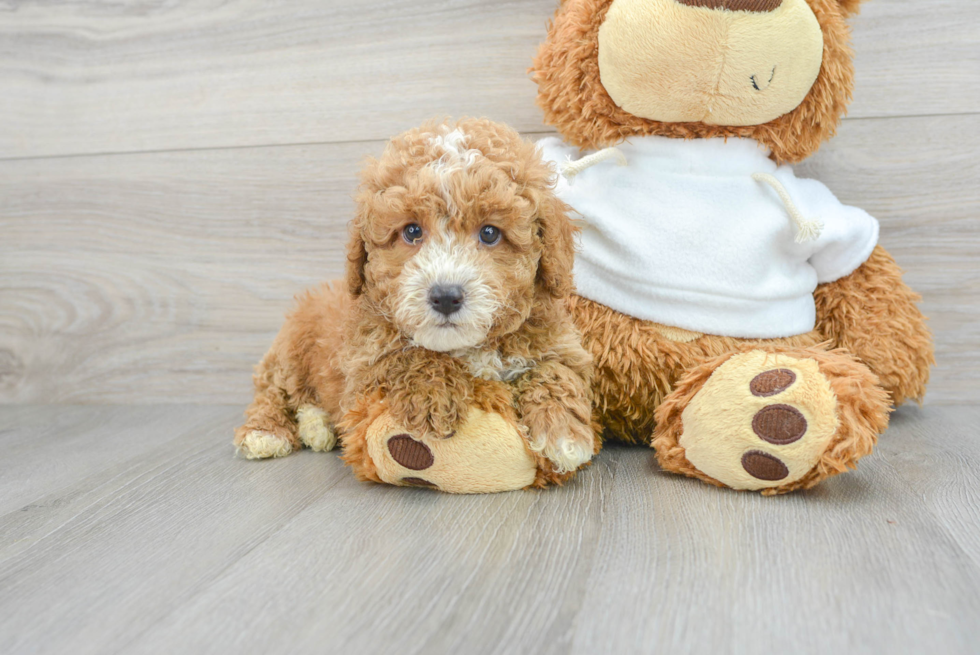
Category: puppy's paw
[567,444]
[314,429]
[565,453]
[263,445]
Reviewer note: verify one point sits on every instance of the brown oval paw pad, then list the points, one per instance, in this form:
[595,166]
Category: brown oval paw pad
[419,482]
[779,424]
[764,466]
[772,382]
[410,453]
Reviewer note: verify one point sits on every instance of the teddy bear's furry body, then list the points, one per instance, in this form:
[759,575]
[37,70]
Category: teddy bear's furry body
[870,343]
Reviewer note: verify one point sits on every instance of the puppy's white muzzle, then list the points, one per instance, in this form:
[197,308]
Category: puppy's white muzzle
[445,263]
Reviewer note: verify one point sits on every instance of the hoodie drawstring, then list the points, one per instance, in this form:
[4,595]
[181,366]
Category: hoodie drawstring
[807,230]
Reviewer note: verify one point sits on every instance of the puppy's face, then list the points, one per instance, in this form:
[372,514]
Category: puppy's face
[454,234]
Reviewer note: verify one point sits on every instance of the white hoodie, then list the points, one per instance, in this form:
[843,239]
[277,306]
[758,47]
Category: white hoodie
[684,236]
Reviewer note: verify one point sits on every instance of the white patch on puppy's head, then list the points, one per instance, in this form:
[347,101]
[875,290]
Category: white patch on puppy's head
[456,158]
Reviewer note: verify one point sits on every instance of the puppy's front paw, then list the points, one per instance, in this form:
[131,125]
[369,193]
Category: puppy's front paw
[565,453]
[263,445]
[439,422]
[567,444]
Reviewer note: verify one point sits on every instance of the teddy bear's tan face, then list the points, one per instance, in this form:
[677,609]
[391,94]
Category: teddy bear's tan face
[717,62]
[613,69]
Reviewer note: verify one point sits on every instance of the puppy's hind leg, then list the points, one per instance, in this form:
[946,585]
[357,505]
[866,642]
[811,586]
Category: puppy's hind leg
[298,383]
[315,429]
[270,428]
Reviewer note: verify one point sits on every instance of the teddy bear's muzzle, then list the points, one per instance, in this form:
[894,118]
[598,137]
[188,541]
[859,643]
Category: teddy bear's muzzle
[717,62]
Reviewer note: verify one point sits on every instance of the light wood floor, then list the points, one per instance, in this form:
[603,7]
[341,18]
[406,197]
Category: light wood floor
[172,173]
[133,529]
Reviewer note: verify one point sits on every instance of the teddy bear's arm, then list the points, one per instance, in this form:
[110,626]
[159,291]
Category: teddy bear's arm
[872,314]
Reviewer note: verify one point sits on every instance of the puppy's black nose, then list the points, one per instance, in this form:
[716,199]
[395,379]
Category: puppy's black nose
[446,299]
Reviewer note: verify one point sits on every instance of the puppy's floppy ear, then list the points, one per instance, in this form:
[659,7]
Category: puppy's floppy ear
[356,259]
[357,255]
[557,236]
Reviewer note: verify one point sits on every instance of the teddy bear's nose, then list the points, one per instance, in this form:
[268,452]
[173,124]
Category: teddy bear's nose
[735,5]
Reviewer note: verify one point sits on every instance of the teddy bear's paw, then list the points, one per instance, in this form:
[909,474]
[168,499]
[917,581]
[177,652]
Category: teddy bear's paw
[314,429]
[762,421]
[486,454]
[258,444]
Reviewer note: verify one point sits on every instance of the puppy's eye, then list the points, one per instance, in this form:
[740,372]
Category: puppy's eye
[412,233]
[490,235]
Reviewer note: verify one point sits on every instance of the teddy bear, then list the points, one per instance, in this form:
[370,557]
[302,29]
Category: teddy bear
[743,322]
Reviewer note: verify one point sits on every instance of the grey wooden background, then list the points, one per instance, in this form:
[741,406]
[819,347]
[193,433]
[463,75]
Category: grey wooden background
[172,173]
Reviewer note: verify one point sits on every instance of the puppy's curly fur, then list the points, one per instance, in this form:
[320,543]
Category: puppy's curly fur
[379,342]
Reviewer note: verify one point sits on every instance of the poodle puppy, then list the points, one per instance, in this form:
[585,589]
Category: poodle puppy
[453,319]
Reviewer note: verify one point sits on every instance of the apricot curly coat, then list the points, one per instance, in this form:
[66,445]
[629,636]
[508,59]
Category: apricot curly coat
[343,350]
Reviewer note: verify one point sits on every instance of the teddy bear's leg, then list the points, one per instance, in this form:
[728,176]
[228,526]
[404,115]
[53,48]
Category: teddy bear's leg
[486,454]
[872,314]
[772,420]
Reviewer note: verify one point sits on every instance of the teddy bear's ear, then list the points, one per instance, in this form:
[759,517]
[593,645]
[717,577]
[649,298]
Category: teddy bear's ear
[557,236]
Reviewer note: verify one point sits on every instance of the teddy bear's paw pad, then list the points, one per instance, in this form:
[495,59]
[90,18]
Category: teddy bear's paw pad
[761,421]
[418,482]
[772,382]
[486,455]
[410,453]
[779,425]
[314,429]
[264,445]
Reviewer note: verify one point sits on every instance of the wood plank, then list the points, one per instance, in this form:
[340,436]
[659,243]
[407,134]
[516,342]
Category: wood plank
[100,77]
[162,277]
[928,218]
[904,48]
[937,458]
[109,555]
[858,564]
[127,549]
[139,271]
[46,451]
[186,549]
